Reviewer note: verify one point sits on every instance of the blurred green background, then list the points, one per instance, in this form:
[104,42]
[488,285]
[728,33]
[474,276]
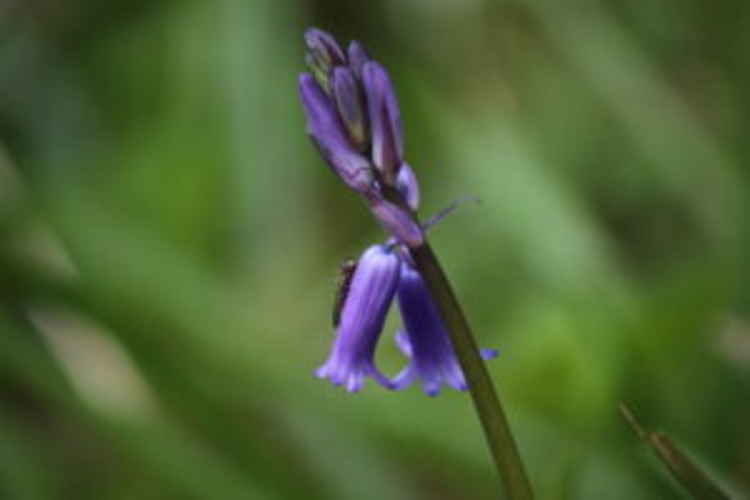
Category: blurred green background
[169,242]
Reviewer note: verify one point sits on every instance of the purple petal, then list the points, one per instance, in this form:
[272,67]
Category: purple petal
[329,135]
[403,344]
[323,46]
[488,353]
[357,57]
[406,183]
[396,220]
[426,342]
[385,120]
[370,295]
[405,378]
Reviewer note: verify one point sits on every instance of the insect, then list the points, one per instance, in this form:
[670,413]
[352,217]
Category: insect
[346,272]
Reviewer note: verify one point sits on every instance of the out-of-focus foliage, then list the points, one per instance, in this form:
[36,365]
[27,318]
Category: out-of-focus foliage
[169,241]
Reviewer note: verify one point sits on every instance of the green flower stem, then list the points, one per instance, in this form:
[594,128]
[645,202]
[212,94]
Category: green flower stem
[483,393]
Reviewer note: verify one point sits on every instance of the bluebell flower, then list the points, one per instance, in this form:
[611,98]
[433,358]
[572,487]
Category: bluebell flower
[354,119]
[381,273]
[424,339]
[363,314]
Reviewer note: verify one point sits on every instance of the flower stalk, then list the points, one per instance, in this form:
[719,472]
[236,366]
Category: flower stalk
[486,401]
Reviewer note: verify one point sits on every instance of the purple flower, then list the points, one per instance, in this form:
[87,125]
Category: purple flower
[354,119]
[365,306]
[425,340]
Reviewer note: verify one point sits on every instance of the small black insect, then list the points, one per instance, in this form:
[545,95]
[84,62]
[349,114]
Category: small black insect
[346,271]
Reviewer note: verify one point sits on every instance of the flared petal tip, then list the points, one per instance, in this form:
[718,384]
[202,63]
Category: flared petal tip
[461,386]
[353,380]
[489,353]
[304,79]
[324,46]
[321,372]
[352,383]
[431,388]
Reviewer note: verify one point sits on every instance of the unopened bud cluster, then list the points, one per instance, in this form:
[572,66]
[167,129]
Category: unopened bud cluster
[354,119]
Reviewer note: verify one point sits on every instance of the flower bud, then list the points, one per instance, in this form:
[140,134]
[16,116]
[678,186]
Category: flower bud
[324,48]
[357,57]
[350,104]
[396,220]
[328,133]
[406,183]
[385,121]
[323,54]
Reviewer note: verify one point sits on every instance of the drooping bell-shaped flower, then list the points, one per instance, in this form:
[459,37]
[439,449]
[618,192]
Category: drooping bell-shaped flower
[369,296]
[425,340]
